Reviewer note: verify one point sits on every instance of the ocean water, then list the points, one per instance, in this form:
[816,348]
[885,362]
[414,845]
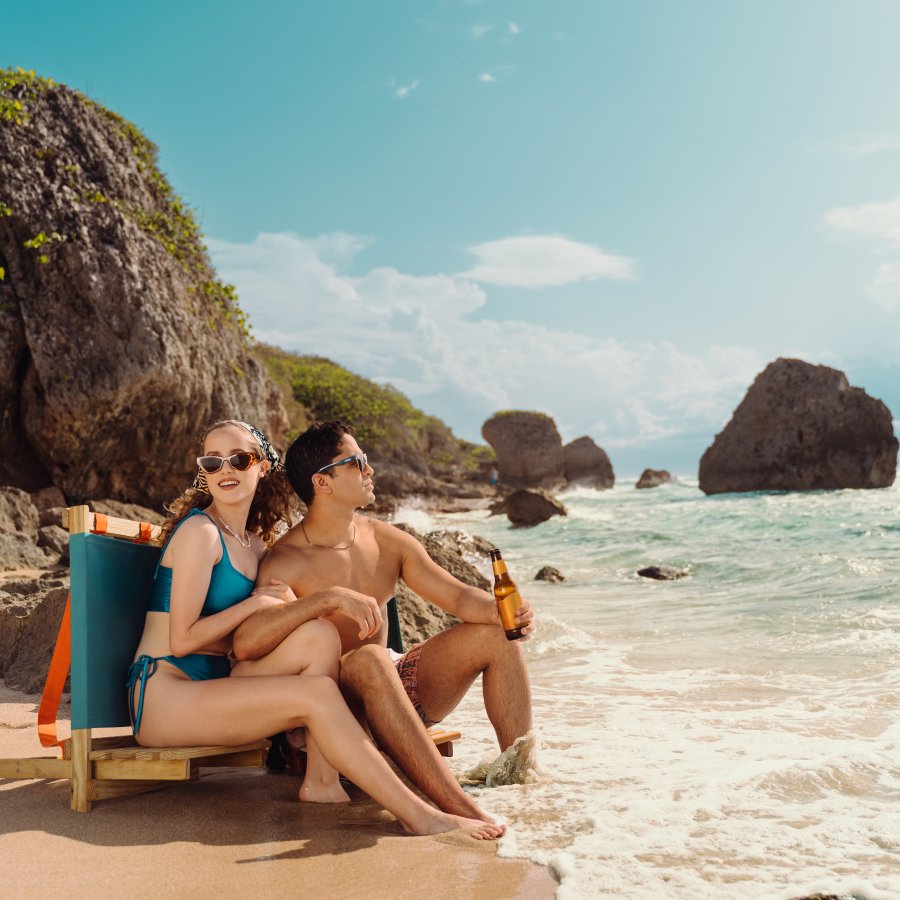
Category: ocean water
[735,733]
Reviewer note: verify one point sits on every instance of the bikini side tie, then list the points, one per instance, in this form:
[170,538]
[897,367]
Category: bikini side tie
[141,669]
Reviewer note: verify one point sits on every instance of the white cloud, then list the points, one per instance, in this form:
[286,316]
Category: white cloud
[401,92]
[480,29]
[428,336]
[547,260]
[486,77]
[880,221]
[513,29]
[865,144]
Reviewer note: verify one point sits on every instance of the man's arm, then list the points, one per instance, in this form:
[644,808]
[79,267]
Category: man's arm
[437,585]
[263,631]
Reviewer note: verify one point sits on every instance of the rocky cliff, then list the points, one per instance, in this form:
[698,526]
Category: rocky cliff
[802,427]
[117,342]
[528,447]
[588,464]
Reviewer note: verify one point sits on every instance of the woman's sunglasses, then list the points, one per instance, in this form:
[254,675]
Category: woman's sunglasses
[240,461]
[360,459]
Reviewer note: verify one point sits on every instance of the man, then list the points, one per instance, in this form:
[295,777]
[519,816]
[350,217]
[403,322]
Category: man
[345,567]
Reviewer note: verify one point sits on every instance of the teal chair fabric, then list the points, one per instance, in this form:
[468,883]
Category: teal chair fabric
[111,581]
[395,635]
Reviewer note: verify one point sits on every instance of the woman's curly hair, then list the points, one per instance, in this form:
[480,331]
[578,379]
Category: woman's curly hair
[271,512]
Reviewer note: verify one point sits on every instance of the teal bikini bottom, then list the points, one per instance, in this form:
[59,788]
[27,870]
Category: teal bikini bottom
[197,667]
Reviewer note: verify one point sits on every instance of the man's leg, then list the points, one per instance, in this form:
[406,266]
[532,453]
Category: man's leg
[369,679]
[451,661]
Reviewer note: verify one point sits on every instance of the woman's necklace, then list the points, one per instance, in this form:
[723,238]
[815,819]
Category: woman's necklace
[234,534]
[321,546]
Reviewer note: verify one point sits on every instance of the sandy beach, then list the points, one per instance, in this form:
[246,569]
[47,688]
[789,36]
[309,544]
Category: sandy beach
[230,833]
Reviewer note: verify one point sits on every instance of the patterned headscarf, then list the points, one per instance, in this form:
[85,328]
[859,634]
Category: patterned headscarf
[265,445]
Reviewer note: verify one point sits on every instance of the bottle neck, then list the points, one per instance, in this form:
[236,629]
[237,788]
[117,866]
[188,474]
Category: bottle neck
[500,567]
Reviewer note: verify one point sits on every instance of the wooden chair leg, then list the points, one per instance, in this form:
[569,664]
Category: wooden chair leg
[82,783]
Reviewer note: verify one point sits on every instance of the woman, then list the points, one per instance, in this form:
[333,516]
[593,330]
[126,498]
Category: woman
[180,689]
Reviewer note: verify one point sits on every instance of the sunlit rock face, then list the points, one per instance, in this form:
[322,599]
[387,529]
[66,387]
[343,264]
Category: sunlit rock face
[802,427]
[528,447]
[117,342]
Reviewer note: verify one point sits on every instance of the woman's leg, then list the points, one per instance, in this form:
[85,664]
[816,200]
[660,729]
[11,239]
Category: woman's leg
[312,649]
[178,711]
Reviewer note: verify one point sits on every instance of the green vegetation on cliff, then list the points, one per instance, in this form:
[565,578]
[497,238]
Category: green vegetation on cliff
[518,412]
[384,419]
[164,217]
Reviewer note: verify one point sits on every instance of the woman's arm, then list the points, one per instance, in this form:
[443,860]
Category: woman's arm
[192,553]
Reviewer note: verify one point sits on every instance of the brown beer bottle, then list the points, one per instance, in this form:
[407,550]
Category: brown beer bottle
[507,596]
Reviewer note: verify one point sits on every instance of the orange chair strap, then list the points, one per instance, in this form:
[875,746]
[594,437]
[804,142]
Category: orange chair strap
[101,523]
[56,681]
[145,532]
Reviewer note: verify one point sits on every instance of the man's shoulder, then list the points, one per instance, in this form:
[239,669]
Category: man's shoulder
[386,533]
[285,550]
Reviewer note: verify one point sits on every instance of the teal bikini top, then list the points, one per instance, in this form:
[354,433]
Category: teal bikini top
[227,586]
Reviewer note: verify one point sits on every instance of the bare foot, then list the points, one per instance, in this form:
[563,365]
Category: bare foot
[466,808]
[441,823]
[319,792]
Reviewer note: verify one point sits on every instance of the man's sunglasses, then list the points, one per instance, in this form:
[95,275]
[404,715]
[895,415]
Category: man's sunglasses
[360,459]
[240,461]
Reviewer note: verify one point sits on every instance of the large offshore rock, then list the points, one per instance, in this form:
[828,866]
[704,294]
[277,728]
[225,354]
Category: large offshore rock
[528,447]
[588,464]
[663,573]
[651,478]
[531,506]
[117,342]
[550,574]
[802,427]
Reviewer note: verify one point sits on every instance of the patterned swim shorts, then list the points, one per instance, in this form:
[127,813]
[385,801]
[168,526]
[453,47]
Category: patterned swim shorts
[408,670]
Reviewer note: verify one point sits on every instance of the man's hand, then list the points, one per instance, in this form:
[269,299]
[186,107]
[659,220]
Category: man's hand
[363,610]
[525,618]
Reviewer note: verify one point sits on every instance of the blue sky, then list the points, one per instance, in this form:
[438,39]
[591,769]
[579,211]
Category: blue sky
[616,213]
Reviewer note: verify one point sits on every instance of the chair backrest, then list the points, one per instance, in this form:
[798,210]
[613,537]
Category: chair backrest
[395,633]
[111,579]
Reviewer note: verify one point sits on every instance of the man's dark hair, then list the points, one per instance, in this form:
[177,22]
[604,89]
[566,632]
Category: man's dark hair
[316,447]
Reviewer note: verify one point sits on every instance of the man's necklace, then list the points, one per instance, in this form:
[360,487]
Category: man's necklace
[321,546]
[233,533]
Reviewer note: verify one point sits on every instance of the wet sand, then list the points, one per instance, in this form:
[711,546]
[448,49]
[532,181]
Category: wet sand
[231,833]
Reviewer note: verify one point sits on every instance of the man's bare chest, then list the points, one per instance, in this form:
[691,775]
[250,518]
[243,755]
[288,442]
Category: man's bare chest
[360,568]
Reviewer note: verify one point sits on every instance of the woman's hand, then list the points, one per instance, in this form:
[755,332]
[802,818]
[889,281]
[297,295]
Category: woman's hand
[275,593]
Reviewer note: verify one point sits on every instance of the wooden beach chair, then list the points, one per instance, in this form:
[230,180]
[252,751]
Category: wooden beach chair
[112,562]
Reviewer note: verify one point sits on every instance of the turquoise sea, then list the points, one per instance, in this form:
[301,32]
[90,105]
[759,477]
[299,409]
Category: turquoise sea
[735,733]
